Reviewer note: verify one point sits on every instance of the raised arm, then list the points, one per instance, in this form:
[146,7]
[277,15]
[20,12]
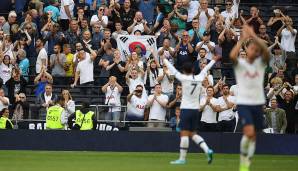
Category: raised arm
[172,69]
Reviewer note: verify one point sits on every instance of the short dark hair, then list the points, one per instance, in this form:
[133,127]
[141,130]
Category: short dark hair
[188,67]
[42,40]
[225,85]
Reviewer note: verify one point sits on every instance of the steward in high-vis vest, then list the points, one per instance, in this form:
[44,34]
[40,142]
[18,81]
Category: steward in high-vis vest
[84,119]
[55,117]
[5,123]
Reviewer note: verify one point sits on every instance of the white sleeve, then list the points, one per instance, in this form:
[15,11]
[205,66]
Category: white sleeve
[71,107]
[105,20]
[94,18]
[173,70]
[204,72]
[64,118]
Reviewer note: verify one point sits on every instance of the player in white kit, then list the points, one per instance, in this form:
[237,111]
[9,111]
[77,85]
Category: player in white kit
[189,117]
[250,98]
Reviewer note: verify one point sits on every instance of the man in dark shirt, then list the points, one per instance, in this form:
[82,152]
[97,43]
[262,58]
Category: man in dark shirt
[254,19]
[184,51]
[288,104]
[127,14]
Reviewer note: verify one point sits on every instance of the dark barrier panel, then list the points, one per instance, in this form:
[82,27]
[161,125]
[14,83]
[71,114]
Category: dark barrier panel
[137,141]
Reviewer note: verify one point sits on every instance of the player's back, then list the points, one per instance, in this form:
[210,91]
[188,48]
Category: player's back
[191,90]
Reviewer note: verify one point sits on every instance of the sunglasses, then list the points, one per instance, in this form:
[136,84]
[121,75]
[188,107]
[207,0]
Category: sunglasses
[101,9]
[185,35]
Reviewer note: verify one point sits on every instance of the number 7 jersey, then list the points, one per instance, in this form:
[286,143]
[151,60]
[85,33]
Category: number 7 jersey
[191,85]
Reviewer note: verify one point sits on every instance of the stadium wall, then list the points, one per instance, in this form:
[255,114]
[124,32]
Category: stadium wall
[125,141]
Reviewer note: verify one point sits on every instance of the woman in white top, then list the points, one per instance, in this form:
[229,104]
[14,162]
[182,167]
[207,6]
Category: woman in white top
[67,103]
[5,68]
[152,74]
[134,62]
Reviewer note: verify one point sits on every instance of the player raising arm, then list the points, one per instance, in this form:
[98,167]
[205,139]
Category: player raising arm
[250,99]
[189,117]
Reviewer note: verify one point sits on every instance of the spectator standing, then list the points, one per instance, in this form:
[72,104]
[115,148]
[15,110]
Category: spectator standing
[100,18]
[66,13]
[254,20]
[5,123]
[288,37]
[166,32]
[276,22]
[126,13]
[204,13]
[20,107]
[159,18]
[209,109]
[73,34]
[157,103]
[263,34]
[42,58]
[57,63]
[113,92]
[136,103]
[175,101]
[276,118]
[118,31]
[139,24]
[23,63]
[147,8]
[97,36]
[166,50]
[69,65]
[67,103]
[152,74]
[133,78]
[196,32]
[184,50]
[5,67]
[15,85]
[178,16]
[52,11]
[4,101]
[166,80]
[288,103]
[45,100]
[84,70]
[206,44]
[278,57]
[192,7]
[41,80]
[231,11]
[117,67]
[227,105]
[12,19]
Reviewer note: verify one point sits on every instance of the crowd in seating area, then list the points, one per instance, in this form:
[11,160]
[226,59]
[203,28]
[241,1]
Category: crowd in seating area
[73,45]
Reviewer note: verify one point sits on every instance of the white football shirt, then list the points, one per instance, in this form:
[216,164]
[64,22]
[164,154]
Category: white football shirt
[250,80]
[229,114]
[191,85]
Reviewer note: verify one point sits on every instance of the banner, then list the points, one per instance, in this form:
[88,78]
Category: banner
[41,125]
[127,44]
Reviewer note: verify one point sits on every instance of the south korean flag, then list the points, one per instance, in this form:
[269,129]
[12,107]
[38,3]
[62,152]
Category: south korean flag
[128,44]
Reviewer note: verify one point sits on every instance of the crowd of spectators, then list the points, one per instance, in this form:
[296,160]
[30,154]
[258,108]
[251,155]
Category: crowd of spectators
[74,43]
